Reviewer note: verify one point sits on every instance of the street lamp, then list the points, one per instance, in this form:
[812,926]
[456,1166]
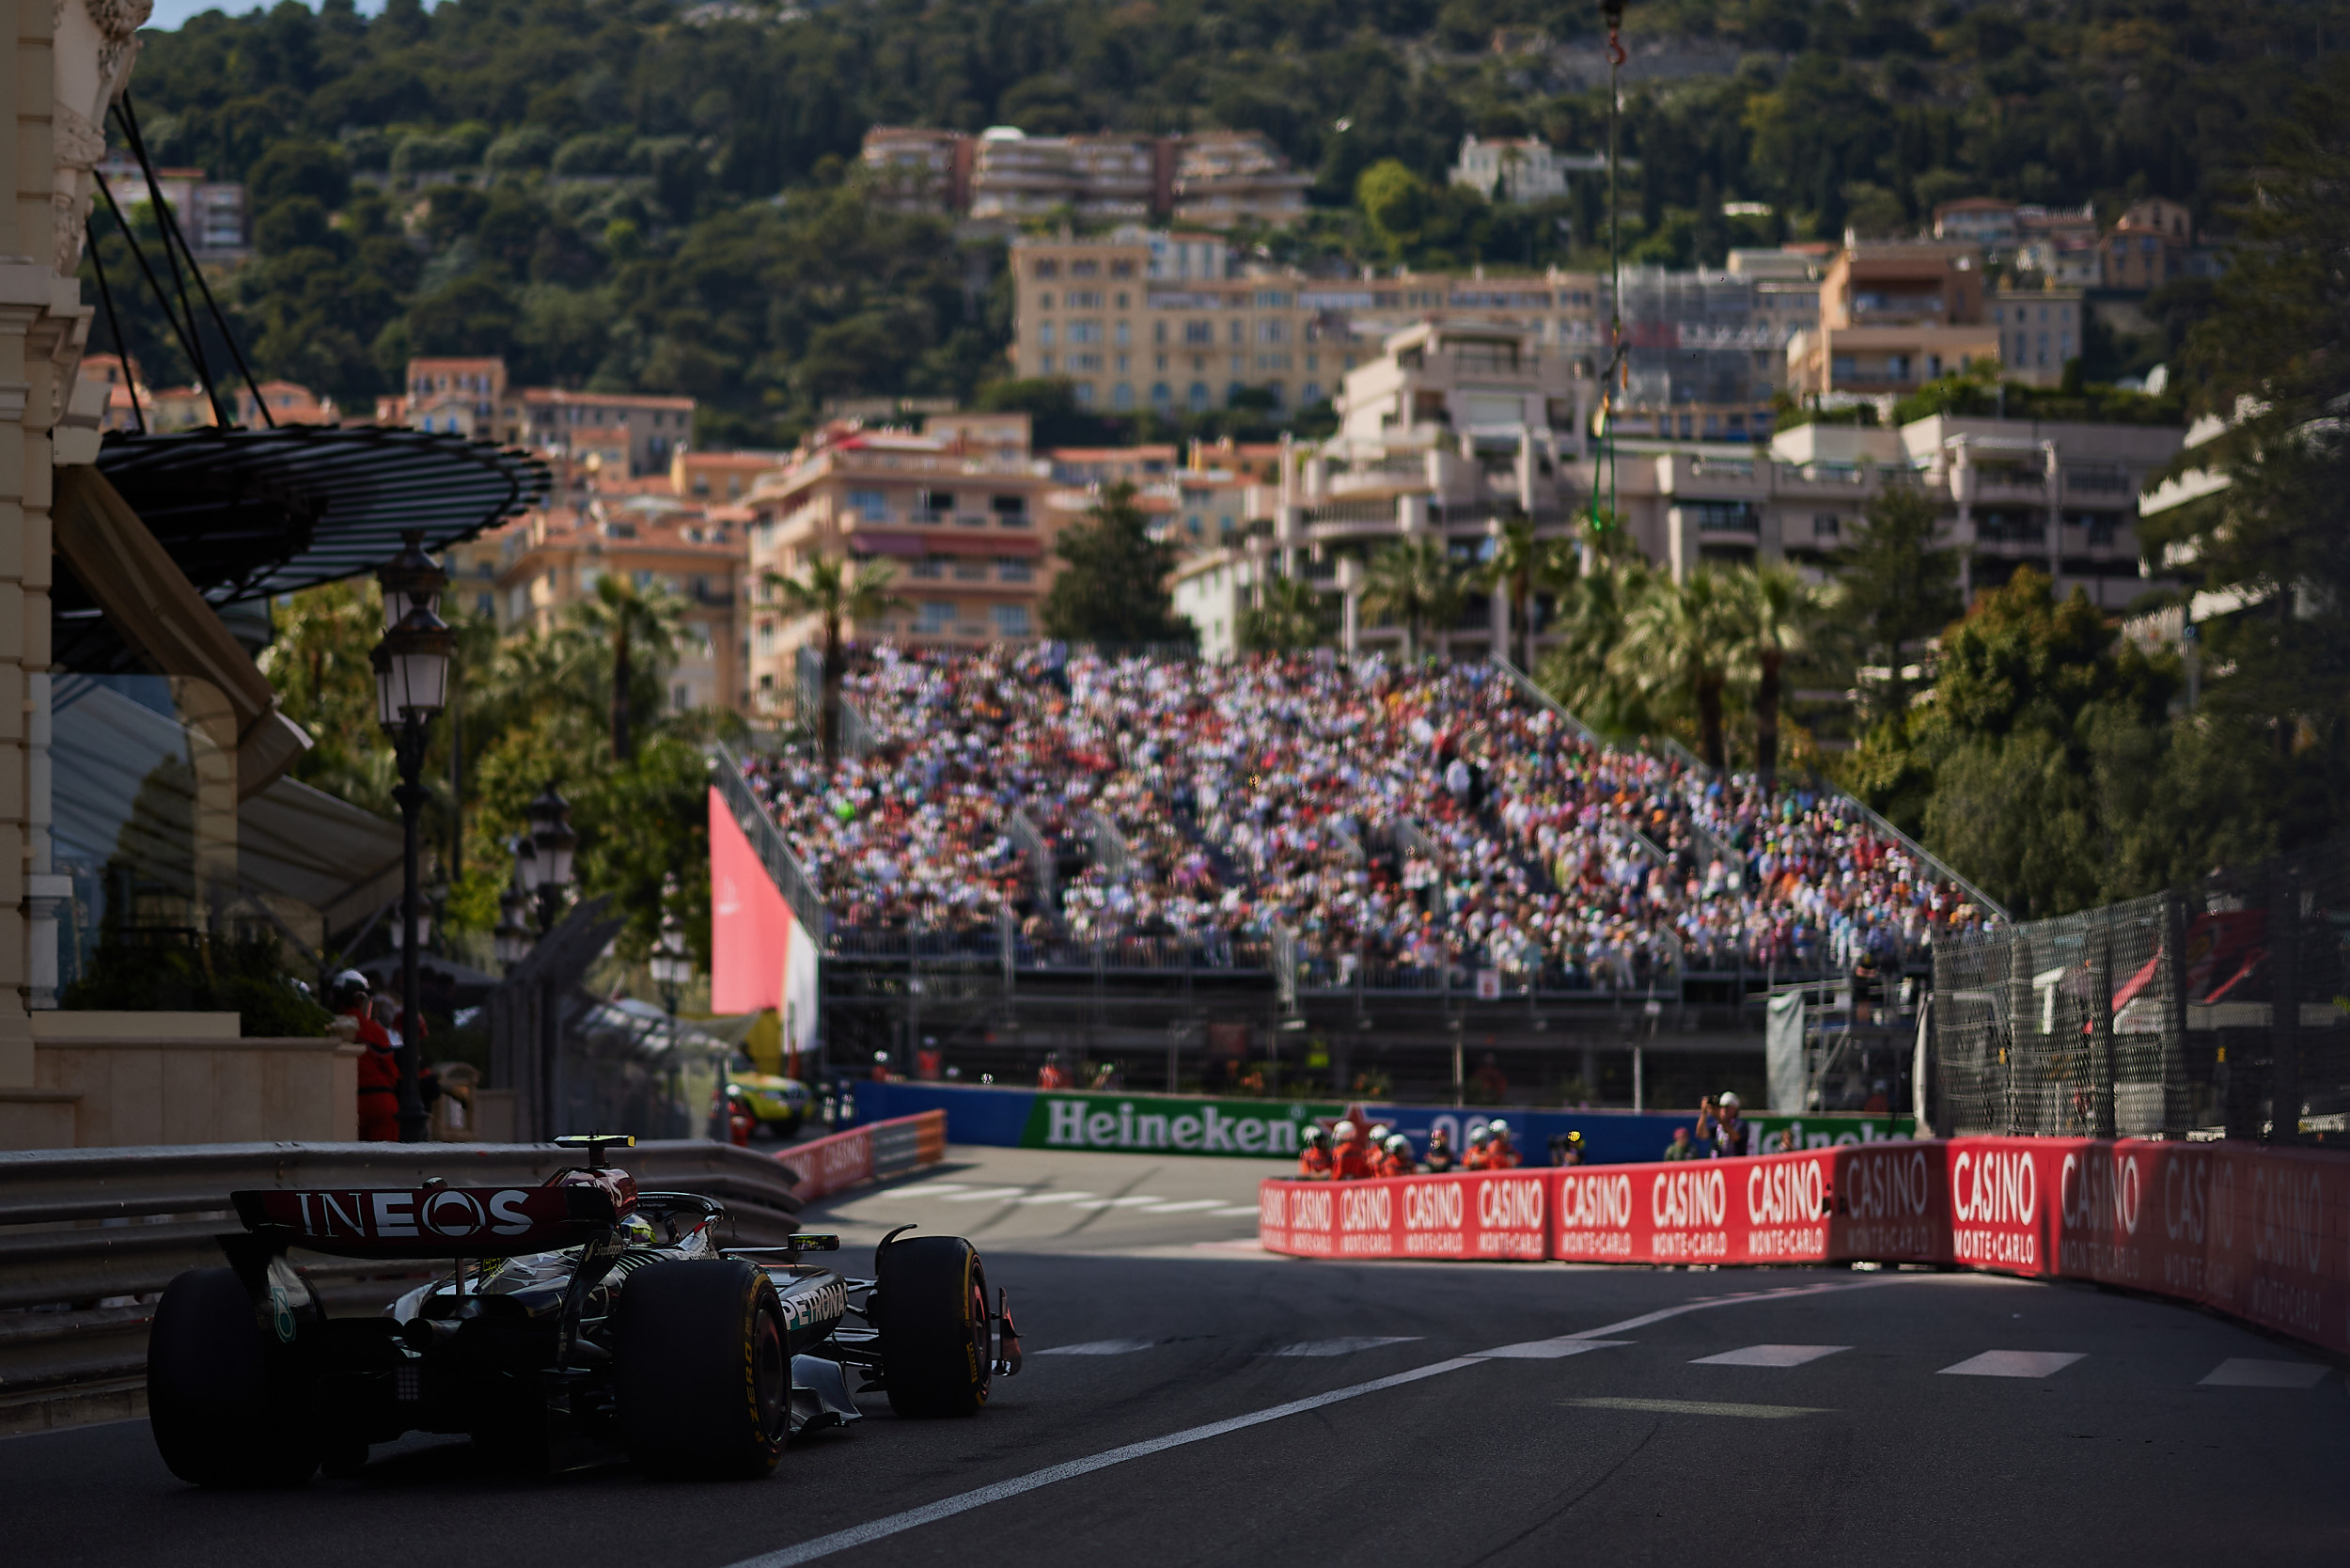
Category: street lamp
[548,868]
[514,935]
[672,966]
[411,685]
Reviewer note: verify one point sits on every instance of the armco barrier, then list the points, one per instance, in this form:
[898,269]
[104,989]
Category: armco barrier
[866,1154]
[2261,1234]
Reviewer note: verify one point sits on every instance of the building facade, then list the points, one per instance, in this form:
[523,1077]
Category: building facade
[628,433]
[958,511]
[1520,170]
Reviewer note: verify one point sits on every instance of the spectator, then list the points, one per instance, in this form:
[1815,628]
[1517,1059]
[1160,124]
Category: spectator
[1501,1154]
[1050,1076]
[1729,1132]
[1440,1157]
[1396,1159]
[881,1067]
[1567,1148]
[1314,1163]
[378,1069]
[1681,1148]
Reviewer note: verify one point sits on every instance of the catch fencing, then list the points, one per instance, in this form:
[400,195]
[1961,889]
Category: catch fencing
[2216,1011]
[2261,1234]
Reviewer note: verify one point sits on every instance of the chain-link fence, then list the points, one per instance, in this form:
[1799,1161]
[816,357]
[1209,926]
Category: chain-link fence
[2206,1013]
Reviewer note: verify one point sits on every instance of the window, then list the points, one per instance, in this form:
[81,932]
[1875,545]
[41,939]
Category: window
[1272,332]
[1199,332]
[1085,269]
[681,697]
[766,636]
[1083,299]
[1199,397]
[1044,300]
[1012,511]
[1125,335]
[1012,620]
[938,615]
[1238,333]
[1044,336]
[1122,396]
[1122,269]
[928,569]
[1827,525]
[1045,362]
[1084,332]
[517,603]
[1048,268]
[970,569]
[870,505]
[1721,517]
[937,501]
[1013,568]
[1119,300]
[1158,332]
[1084,362]
[1160,394]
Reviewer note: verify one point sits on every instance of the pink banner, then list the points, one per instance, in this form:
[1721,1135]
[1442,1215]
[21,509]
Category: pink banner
[750,925]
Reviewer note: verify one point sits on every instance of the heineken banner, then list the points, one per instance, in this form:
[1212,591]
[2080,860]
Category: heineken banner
[1268,1129]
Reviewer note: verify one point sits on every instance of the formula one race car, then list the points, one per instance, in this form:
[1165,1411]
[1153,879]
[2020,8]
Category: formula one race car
[593,1317]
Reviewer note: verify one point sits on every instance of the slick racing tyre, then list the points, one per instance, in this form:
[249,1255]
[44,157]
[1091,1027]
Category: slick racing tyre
[219,1416]
[701,1370]
[934,1331]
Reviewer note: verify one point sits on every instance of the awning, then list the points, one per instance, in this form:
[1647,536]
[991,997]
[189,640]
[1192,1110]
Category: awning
[248,512]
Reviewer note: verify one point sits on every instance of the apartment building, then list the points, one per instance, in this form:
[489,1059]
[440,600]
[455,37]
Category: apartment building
[1208,179]
[959,509]
[1223,178]
[528,574]
[1520,169]
[1987,223]
[1169,322]
[211,214]
[2039,330]
[631,434]
[1893,316]
[720,477]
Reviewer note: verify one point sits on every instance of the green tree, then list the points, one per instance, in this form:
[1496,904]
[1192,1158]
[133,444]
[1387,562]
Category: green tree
[1418,582]
[836,593]
[1778,614]
[1579,671]
[1895,587]
[1525,564]
[631,621]
[1679,639]
[1293,617]
[1112,586]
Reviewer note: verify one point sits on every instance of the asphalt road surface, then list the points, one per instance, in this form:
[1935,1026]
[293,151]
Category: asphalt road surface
[1188,1400]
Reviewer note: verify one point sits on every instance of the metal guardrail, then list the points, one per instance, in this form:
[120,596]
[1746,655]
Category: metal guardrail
[799,889]
[857,736]
[1030,843]
[89,1237]
[1525,687]
[1931,860]
[1111,849]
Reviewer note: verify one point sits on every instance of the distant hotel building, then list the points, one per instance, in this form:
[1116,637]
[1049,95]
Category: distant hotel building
[1211,178]
[627,432]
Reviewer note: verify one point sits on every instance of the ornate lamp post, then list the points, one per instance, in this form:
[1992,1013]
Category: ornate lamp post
[411,685]
[547,869]
[514,936]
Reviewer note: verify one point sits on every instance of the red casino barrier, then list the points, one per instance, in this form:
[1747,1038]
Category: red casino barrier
[866,1154]
[2261,1234]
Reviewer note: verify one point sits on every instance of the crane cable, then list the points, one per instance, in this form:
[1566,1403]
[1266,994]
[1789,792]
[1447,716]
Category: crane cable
[1619,369]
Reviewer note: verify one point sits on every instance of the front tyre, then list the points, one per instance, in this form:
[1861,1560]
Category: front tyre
[221,1414]
[931,1294]
[701,1371]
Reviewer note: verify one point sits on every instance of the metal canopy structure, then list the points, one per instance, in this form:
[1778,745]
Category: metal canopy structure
[251,513]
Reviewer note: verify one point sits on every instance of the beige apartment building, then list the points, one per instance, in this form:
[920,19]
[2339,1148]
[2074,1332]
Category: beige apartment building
[959,509]
[528,574]
[632,433]
[1210,179]
[1158,320]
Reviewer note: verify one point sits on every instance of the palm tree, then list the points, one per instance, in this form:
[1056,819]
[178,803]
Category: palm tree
[1679,641]
[1416,580]
[1523,565]
[1781,612]
[830,590]
[1295,617]
[1592,609]
[628,617]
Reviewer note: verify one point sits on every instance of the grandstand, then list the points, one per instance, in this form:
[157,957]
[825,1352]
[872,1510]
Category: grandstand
[1328,833]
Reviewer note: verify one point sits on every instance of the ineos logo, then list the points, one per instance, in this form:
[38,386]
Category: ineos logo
[1685,1199]
[1997,1187]
[454,1215]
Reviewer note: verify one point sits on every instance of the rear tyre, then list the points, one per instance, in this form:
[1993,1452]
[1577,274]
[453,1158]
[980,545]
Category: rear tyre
[219,1416]
[931,1293]
[701,1370]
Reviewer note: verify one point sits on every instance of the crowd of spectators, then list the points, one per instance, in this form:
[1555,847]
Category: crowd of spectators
[1410,826]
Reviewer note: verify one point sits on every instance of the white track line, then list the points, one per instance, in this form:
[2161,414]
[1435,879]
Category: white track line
[2013,1363]
[2239,1372]
[1769,1355]
[947,1508]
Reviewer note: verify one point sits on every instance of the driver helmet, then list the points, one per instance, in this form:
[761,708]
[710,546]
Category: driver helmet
[1343,1131]
[348,989]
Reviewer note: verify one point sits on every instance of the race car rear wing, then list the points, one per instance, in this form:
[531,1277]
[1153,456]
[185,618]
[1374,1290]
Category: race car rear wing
[440,1221]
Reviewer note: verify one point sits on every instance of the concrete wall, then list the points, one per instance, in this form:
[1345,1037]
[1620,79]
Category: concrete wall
[110,1079]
